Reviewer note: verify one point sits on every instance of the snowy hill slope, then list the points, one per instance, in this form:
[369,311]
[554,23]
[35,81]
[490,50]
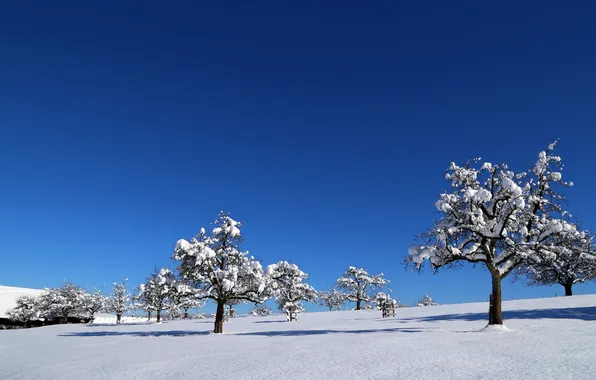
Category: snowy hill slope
[552,338]
[9,296]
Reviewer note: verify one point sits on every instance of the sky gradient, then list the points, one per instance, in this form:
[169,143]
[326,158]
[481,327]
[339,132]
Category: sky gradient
[326,129]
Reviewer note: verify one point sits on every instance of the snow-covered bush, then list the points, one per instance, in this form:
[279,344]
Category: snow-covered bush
[426,301]
[261,311]
[496,218]
[119,301]
[218,270]
[26,310]
[360,286]
[288,286]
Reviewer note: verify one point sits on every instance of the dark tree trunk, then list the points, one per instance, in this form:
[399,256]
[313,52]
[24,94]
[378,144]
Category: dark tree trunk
[330,308]
[62,320]
[118,318]
[158,316]
[568,288]
[149,315]
[219,317]
[186,314]
[495,310]
[358,304]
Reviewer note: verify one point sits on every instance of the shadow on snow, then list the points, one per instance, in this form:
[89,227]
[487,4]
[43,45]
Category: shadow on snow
[179,333]
[322,332]
[281,321]
[582,313]
[137,333]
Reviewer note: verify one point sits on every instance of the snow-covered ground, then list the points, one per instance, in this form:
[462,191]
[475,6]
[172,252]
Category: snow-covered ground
[9,296]
[552,338]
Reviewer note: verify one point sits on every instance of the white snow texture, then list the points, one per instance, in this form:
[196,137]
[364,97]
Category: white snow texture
[546,339]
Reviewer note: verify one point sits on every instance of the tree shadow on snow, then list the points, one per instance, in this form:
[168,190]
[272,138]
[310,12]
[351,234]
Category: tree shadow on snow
[121,324]
[323,332]
[281,321]
[136,333]
[582,313]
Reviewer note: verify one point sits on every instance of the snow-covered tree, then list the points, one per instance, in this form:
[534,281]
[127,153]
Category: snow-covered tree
[426,301]
[383,298]
[288,286]
[332,299]
[26,310]
[185,298]
[496,218]
[565,260]
[360,286]
[119,301]
[62,303]
[231,313]
[157,293]
[260,311]
[91,303]
[218,269]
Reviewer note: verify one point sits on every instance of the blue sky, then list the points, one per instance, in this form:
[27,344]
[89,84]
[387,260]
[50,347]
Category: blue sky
[326,128]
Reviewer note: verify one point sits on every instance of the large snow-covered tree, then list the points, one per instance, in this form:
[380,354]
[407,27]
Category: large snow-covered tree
[332,299]
[26,310]
[360,286]
[496,218]
[287,284]
[119,301]
[565,260]
[91,303]
[218,269]
[158,291]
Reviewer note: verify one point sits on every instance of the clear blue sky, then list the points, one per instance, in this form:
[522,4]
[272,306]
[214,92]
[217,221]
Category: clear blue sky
[325,126]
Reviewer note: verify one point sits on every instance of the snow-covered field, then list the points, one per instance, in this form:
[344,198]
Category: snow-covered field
[552,338]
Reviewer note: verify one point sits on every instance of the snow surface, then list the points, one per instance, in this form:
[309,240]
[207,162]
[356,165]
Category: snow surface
[9,296]
[551,338]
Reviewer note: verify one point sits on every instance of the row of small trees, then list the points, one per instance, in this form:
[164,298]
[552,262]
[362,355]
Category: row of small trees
[69,301]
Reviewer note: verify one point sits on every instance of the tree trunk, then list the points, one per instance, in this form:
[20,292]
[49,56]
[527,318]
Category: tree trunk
[219,317]
[330,308]
[158,316]
[496,312]
[185,314]
[358,304]
[568,288]
[118,318]
[149,315]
